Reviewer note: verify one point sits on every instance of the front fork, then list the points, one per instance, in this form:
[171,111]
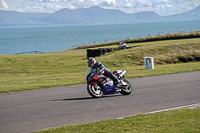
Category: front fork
[96,85]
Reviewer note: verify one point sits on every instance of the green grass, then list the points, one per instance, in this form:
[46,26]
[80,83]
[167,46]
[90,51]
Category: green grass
[36,71]
[173,36]
[163,52]
[25,72]
[174,121]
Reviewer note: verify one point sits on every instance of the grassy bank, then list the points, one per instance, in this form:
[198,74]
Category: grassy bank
[177,121]
[26,72]
[173,36]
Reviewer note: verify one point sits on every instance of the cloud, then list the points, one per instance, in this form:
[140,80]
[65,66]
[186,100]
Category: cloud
[3,5]
[162,7]
[54,5]
[109,3]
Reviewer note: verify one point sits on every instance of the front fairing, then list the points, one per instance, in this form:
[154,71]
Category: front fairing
[90,74]
[107,84]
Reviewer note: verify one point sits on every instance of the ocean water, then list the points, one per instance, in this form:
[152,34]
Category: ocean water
[51,39]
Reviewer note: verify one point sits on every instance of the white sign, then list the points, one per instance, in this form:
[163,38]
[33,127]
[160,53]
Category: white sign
[148,62]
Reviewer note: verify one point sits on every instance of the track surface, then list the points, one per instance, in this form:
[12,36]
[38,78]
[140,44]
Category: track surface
[28,111]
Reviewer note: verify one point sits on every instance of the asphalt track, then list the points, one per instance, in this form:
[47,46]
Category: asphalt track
[29,111]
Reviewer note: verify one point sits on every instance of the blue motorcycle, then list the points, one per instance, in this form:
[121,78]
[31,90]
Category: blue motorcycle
[99,85]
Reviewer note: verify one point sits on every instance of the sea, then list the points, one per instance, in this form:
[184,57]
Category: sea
[53,39]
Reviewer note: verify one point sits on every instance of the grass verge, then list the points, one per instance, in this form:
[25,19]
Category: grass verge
[26,72]
[173,36]
[177,121]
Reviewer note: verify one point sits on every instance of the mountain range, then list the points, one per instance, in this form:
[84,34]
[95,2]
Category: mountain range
[88,16]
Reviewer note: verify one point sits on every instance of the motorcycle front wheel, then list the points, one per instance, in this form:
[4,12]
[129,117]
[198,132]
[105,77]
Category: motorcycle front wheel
[95,92]
[126,90]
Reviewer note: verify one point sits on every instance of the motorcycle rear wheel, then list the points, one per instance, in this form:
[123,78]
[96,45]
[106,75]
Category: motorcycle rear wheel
[127,90]
[95,92]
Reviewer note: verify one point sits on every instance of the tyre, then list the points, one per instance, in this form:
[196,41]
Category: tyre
[126,90]
[95,92]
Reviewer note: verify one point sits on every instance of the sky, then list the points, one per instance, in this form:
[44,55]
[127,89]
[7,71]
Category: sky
[161,7]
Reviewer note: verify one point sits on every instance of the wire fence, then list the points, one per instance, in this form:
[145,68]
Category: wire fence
[31,52]
[129,37]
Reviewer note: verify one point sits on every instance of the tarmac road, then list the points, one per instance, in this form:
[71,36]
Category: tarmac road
[28,111]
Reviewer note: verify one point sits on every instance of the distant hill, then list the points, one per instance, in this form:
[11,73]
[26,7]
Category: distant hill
[96,15]
[18,19]
[187,16]
[88,16]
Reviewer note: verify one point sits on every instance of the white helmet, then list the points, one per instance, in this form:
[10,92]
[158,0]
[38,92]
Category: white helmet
[91,61]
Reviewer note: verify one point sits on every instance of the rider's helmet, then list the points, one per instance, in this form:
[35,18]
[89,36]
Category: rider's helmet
[91,61]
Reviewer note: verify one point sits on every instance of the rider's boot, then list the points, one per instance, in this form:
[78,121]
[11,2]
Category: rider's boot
[119,83]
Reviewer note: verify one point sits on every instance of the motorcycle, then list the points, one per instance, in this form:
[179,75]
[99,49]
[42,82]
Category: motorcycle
[99,85]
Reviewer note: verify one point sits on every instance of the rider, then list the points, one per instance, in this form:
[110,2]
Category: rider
[100,68]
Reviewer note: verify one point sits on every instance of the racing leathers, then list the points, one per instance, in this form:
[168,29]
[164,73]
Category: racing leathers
[101,69]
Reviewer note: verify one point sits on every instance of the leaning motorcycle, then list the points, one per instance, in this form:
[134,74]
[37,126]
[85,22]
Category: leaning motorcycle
[99,85]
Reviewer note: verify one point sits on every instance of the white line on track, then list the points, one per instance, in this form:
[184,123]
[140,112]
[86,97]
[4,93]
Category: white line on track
[186,106]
